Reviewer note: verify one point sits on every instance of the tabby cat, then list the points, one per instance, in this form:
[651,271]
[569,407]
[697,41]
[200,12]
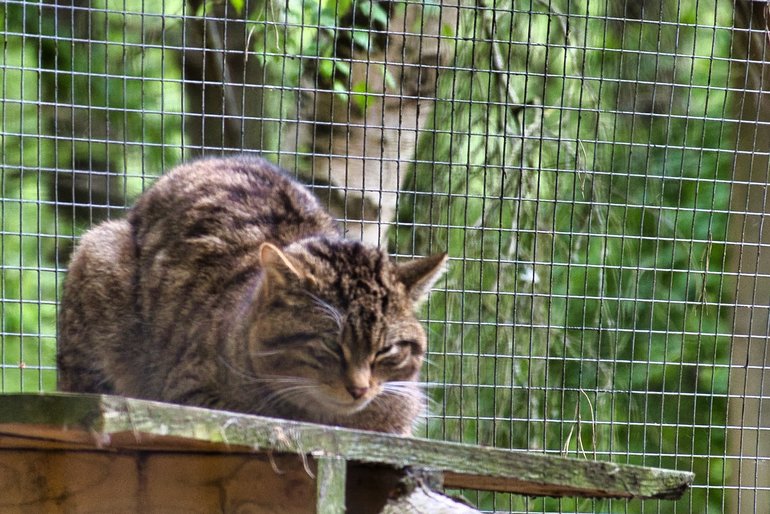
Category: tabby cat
[229,287]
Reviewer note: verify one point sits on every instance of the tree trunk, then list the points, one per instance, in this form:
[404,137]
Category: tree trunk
[222,85]
[749,408]
[357,154]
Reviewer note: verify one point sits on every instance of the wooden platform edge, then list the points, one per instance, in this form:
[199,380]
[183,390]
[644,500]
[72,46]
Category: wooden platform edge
[110,422]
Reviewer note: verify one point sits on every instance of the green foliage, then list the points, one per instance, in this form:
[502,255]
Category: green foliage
[27,287]
[109,97]
[321,34]
[313,44]
[584,306]
[28,283]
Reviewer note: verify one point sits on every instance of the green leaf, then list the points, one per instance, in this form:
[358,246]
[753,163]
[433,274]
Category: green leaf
[326,68]
[359,95]
[343,7]
[310,49]
[360,38]
[374,11]
[342,67]
[341,91]
[238,4]
[328,17]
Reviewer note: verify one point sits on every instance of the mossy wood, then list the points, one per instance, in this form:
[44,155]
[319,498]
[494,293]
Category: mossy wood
[161,435]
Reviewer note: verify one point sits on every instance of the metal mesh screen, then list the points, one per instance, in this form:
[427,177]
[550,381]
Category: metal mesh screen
[597,171]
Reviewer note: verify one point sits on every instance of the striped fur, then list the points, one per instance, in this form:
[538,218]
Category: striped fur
[228,286]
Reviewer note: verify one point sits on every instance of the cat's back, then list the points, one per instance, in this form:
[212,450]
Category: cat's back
[169,279]
[236,199]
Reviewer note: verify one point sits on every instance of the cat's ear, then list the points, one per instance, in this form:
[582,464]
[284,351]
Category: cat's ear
[278,268]
[420,275]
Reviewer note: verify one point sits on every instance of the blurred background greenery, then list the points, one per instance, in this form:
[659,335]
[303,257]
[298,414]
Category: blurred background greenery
[576,167]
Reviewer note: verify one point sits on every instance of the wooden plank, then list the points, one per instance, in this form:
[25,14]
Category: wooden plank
[118,482]
[115,422]
[53,481]
[330,485]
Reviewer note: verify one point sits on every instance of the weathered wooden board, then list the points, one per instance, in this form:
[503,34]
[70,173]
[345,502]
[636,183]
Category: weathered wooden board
[131,482]
[117,481]
[95,421]
[330,487]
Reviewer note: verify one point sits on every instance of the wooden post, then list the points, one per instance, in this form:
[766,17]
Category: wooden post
[331,485]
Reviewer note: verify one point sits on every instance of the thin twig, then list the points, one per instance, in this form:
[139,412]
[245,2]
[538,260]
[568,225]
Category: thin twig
[230,104]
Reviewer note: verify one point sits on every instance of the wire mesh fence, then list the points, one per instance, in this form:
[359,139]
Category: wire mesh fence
[597,172]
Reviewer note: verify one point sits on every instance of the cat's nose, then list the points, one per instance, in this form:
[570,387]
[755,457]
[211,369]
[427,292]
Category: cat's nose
[357,392]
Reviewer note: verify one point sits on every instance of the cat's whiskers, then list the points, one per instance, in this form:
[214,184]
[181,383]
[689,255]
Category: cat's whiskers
[288,379]
[285,394]
[267,353]
[330,351]
[229,365]
[428,362]
[260,379]
[327,309]
[406,391]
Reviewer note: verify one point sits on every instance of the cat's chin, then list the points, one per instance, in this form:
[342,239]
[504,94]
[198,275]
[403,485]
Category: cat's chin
[347,410]
[325,405]
[339,408]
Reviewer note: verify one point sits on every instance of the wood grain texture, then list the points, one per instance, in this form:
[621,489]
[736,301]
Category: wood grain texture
[95,482]
[330,485]
[94,421]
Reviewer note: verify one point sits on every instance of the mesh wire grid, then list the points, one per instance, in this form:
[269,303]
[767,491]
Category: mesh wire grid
[596,170]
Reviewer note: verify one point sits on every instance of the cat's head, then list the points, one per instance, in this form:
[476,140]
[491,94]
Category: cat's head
[333,323]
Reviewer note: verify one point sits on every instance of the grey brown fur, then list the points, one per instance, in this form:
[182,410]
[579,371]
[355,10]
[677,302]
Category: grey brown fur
[229,287]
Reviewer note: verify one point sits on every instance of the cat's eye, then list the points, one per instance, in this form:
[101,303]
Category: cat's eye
[399,347]
[385,350]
